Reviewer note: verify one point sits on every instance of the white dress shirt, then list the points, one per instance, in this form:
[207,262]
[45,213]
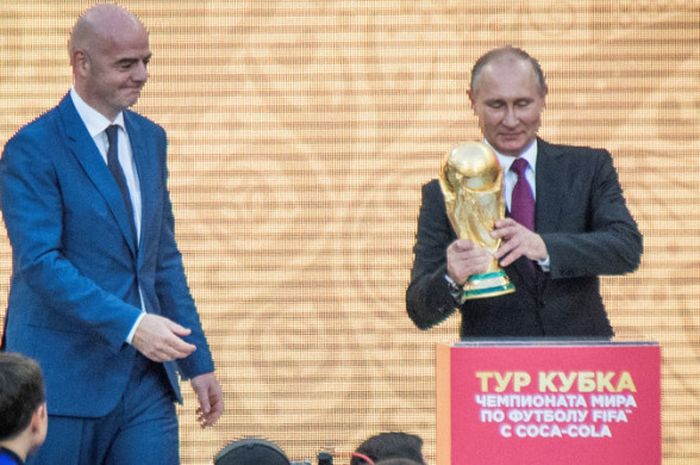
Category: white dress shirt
[510,178]
[96,124]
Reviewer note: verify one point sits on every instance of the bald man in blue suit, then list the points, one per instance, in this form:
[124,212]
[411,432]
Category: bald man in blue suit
[98,292]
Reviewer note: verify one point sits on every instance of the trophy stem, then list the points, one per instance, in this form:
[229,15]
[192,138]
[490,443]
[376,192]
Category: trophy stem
[490,284]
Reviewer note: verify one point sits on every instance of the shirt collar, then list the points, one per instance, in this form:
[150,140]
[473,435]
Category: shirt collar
[95,122]
[530,154]
[4,452]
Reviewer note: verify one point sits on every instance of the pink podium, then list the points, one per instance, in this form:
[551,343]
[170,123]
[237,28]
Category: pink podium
[548,402]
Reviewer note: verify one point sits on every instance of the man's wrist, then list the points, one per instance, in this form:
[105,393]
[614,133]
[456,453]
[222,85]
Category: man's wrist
[130,336]
[456,291]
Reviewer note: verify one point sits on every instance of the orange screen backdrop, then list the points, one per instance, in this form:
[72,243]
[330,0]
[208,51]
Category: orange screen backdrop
[300,134]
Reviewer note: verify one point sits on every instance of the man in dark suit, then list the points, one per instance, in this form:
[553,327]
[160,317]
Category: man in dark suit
[98,291]
[580,228]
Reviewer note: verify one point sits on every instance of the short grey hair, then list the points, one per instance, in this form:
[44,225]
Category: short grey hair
[505,52]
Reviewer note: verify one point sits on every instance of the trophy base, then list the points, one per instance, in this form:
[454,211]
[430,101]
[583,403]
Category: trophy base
[481,286]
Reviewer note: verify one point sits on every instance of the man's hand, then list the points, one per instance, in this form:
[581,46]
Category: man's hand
[464,258]
[159,339]
[210,397]
[517,241]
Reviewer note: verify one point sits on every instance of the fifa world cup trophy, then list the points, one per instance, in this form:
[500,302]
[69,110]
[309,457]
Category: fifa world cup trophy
[471,182]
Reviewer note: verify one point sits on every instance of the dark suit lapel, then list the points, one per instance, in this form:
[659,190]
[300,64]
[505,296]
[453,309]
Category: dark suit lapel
[84,149]
[551,170]
[548,175]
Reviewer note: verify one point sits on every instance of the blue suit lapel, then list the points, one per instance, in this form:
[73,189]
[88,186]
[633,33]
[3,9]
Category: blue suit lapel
[146,168]
[84,149]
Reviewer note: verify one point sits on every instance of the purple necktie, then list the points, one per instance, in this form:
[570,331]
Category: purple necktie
[522,202]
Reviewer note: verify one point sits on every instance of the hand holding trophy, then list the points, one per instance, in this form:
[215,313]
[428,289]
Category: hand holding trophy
[471,182]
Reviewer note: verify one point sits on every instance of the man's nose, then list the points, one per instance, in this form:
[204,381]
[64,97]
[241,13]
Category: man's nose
[140,72]
[510,119]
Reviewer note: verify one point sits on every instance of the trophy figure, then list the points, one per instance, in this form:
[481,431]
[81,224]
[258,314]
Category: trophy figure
[471,182]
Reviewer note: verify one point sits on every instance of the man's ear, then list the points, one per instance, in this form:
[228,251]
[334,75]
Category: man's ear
[471,95]
[42,410]
[39,426]
[80,61]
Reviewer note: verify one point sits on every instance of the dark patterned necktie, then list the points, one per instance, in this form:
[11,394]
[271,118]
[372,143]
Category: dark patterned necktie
[522,202]
[116,168]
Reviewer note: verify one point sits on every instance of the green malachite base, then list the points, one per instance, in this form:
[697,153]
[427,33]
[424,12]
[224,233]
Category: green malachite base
[481,286]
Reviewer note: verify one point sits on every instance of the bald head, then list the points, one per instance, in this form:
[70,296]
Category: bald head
[100,26]
[109,53]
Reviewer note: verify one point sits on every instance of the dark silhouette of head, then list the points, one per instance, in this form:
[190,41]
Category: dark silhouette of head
[391,445]
[251,451]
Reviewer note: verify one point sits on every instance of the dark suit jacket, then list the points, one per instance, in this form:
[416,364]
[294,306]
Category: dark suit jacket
[588,230]
[76,270]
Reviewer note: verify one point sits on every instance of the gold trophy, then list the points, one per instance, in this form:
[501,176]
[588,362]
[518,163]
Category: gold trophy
[471,181]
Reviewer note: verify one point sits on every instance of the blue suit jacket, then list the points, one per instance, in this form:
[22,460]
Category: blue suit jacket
[74,289]
[582,217]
